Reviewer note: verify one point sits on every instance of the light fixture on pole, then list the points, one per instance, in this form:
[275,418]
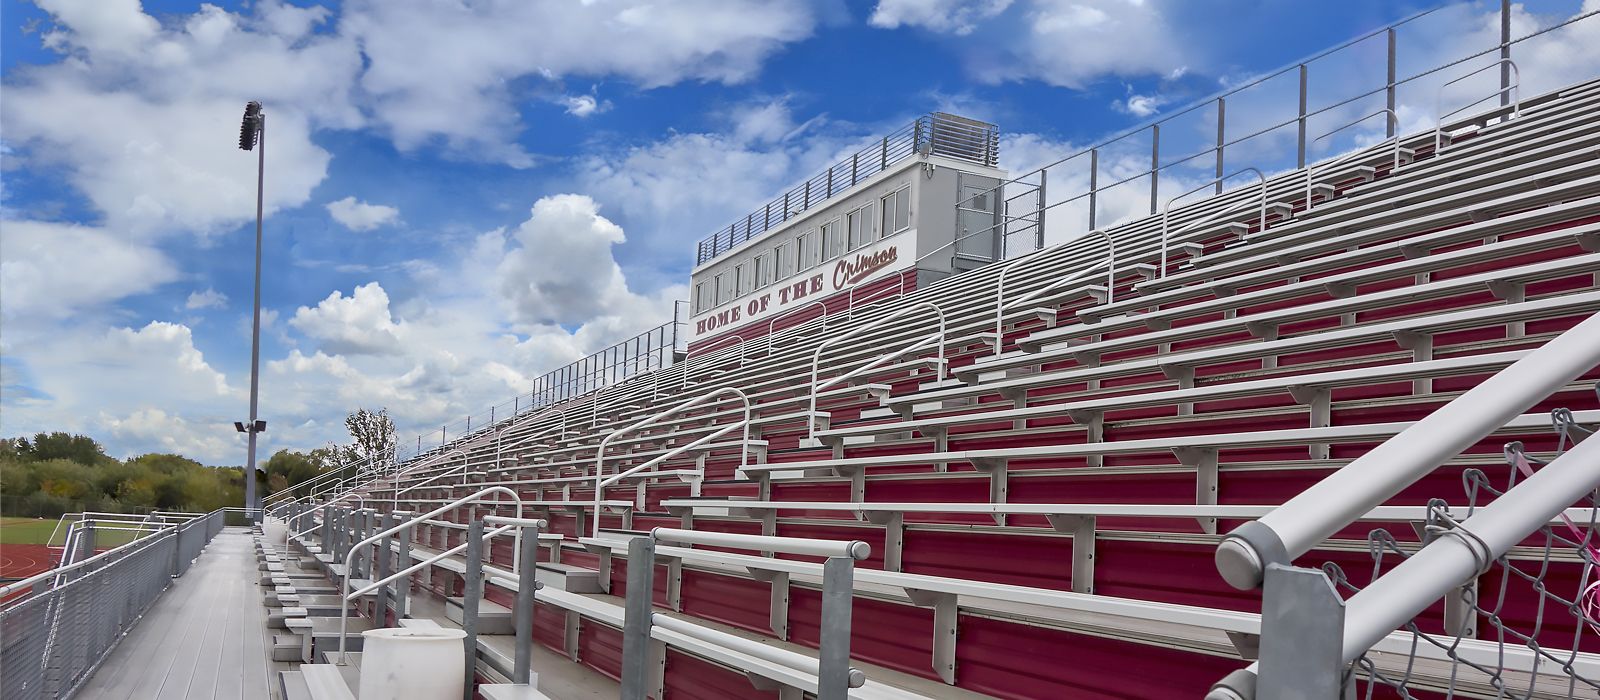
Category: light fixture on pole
[251,131]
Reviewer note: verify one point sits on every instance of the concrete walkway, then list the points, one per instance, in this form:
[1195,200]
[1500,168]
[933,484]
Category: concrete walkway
[206,637]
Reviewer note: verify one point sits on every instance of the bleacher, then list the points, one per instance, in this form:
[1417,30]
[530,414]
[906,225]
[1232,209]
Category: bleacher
[1043,504]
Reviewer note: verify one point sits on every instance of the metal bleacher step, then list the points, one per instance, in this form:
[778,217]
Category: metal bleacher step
[511,691]
[493,618]
[327,682]
[566,577]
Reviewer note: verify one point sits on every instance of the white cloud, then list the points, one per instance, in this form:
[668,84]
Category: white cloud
[442,73]
[208,299]
[946,16]
[357,324]
[1070,43]
[48,270]
[684,187]
[1140,105]
[357,215]
[584,105]
[149,429]
[143,116]
[83,380]
[561,271]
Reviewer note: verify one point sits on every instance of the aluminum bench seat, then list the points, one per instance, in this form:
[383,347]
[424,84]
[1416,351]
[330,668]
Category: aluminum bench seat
[1184,445]
[1342,283]
[1266,323]
[1529,191]
[1179,365]
[326,682]
[1307,385]
[1225,630]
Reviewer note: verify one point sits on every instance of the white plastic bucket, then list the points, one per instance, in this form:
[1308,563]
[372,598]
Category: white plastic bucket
[412,663]
[276,532]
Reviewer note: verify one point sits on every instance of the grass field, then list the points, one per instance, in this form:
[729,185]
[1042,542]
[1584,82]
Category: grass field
[32,531]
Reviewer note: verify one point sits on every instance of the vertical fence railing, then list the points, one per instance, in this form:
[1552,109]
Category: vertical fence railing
[56,627]
[1024,212]
[658,347]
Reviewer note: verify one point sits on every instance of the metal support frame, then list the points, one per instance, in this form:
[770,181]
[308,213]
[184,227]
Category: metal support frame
[471,598]
[834,675]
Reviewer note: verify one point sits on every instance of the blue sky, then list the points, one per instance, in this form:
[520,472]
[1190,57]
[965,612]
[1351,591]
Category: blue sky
[463,195]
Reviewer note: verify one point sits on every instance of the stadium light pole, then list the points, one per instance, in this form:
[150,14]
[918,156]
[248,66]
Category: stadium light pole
[251,131]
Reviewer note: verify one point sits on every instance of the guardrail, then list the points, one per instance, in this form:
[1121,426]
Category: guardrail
[1025,198]
[1308,619]
[835,676]
[56,627]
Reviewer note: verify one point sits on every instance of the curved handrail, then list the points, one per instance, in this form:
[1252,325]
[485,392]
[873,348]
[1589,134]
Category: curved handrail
[789,313]
[850,297]
[1317,512]
[937,338]
[461,451]
[1166,211]
[1001,307]
[1394,125]
[688,353]
[600,480]
[1515,88]
[349,558]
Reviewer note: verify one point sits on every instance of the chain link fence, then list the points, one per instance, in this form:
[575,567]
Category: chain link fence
[56,628]
[1527,627]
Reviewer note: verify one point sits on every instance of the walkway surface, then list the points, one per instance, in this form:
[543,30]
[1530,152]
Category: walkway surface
[206,637]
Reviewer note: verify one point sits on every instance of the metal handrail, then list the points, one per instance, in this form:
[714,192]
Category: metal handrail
[1318,512]
[1000,307]
[600,480]
[850,297]
[1166,211]
[1438,100]
[349,558]
[448,472]
[269,499]
[937,339]
[15,586]
[1458,554]
[430,561]
[688,353]
[789,313]
[1394,127]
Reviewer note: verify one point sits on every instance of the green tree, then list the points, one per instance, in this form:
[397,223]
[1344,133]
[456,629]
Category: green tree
[58,445]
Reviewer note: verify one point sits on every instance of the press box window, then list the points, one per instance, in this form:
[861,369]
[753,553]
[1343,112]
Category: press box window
[897,211]
[808,251]
[763,270]
[833,240]
[724,288]
[785,260]
[703,298]
[745,278]
[860,222]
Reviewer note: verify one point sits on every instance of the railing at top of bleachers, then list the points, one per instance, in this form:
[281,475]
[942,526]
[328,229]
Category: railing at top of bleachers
[937,133]
[659,346]
[1029,190]
[1262,551]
